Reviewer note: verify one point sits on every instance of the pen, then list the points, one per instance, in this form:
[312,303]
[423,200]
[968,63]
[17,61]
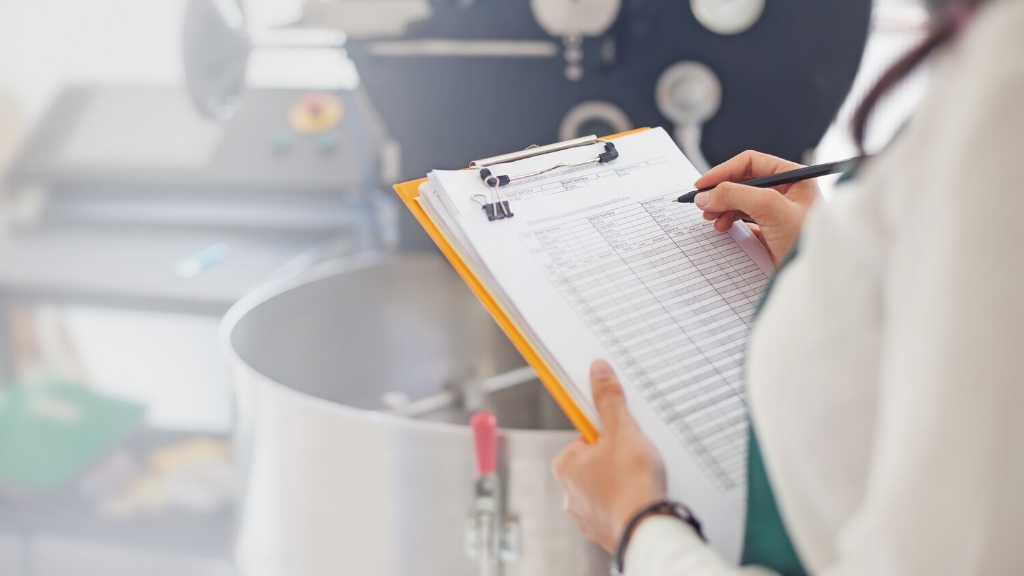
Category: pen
[785,177]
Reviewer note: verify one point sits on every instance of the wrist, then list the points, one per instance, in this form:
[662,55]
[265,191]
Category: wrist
[658,508]
[640,520]
[632,511]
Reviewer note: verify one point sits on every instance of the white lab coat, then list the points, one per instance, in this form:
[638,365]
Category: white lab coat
[886,371]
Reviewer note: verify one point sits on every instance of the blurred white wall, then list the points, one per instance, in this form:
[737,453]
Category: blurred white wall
[169,362]
[45,44]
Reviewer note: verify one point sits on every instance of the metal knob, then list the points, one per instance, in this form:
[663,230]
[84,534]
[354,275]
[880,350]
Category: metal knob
[689,94]
[491,538]
[485,442]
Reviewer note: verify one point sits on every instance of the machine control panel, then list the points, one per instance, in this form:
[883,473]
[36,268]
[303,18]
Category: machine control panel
[141,137]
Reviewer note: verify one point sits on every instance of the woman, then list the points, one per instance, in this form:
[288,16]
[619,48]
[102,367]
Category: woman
[886,367]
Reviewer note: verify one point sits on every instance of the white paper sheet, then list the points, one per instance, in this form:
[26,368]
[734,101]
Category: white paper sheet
[599,263]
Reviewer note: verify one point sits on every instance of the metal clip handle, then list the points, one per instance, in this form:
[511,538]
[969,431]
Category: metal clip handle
[534,151]
[498,209]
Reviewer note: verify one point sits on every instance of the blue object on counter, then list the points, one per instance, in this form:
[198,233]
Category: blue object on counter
[192,265]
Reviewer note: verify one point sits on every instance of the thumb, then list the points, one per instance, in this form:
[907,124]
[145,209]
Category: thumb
[609,399]
[761,204]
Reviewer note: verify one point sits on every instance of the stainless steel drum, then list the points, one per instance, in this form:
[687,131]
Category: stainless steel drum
[335,483]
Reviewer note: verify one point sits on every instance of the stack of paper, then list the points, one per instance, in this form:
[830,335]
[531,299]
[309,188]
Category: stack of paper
[598,262]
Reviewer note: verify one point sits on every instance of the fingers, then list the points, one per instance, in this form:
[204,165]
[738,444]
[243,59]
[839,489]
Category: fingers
[762,204]
[609,399]
[760,238]
[744,166]
[756,230]
[726,219]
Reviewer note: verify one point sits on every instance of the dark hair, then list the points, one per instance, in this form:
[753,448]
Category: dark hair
[945,25]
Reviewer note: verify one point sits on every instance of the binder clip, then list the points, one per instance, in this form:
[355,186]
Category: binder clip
[498,209]
[494,210]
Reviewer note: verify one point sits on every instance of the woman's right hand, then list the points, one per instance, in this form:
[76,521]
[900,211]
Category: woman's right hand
[778,212]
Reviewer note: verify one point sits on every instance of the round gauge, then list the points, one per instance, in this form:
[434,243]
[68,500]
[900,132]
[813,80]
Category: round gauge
[727,17]
[597,117]
[688,93]
[575,17]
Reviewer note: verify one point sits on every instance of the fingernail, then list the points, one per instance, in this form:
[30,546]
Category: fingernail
[600,369]
[701,200]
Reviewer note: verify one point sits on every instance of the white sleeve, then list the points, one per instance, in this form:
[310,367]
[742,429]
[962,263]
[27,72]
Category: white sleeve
[945,482]
[667,546]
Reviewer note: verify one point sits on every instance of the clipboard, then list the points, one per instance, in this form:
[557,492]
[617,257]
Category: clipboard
[410,191]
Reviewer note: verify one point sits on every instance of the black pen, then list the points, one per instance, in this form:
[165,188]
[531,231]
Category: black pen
[785,177]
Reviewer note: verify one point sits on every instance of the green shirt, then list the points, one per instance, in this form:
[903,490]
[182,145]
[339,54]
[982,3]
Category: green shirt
[765,541]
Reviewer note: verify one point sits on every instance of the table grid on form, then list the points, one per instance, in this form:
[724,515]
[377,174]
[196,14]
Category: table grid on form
[671,299]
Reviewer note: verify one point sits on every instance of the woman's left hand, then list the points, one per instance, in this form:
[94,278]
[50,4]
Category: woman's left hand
[607,482]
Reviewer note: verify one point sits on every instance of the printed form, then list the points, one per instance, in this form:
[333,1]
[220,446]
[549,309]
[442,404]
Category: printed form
[598,262]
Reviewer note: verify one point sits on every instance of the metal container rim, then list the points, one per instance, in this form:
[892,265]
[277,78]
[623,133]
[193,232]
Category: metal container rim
[321,271]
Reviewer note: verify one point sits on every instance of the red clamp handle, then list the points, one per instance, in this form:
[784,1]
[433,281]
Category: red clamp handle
[485,442]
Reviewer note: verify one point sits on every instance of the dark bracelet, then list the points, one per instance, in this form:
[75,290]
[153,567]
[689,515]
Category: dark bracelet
[661,507]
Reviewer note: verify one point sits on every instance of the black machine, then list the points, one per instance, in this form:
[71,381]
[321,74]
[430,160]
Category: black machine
[484,77]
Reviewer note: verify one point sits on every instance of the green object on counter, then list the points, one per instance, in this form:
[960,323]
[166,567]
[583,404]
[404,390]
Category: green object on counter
[50,431]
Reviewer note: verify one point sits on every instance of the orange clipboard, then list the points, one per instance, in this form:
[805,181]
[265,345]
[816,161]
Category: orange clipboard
[409,192]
